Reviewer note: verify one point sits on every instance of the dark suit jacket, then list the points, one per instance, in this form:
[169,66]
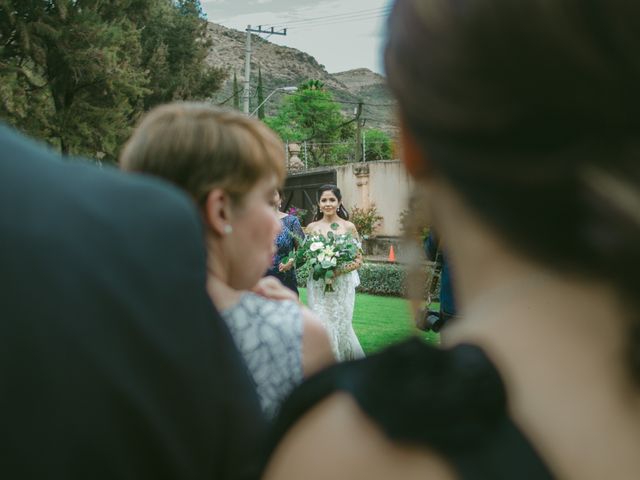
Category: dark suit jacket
[113,362]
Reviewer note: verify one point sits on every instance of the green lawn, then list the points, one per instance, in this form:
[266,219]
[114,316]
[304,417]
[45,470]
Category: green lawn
[381,321]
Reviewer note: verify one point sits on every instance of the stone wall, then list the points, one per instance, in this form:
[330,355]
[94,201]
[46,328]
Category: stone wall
[384,183]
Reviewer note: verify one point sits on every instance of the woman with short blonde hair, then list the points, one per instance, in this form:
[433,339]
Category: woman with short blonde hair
[231,164]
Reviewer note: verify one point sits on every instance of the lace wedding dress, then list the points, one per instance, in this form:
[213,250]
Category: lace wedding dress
[335,310]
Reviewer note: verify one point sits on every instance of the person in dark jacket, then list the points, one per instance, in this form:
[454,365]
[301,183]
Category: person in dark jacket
[447,302]
[113,360]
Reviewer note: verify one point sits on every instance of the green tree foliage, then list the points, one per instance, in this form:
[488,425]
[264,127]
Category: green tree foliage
[377,145]
[175,47]
[311,115]
[79,73]
[73,68]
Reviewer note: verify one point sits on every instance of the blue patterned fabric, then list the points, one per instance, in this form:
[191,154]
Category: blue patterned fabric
[285,244]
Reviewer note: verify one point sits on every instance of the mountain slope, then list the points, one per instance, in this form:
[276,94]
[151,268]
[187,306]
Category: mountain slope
[284,66]
[371,88]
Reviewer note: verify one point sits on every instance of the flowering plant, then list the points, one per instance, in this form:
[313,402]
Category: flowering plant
[300,213]
[325,256]
[366,220]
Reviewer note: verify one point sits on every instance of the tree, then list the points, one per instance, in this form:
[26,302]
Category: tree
[377,145]
[175,47]
[311,115]
[76,67]
[79,73]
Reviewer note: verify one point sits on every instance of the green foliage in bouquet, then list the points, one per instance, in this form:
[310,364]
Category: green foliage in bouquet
[325,256]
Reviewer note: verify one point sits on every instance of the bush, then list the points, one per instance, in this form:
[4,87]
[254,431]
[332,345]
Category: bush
[299,213]
[366,220]
[375,278]
[377,145]
[383,279]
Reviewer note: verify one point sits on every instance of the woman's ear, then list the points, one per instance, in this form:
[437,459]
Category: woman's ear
[216,211]
[414,158]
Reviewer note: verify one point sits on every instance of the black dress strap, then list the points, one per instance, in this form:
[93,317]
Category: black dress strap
[451,401]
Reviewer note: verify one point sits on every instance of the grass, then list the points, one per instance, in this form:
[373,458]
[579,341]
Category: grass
[382,321]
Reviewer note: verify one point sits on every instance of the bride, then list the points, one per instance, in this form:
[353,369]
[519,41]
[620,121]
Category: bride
[335,308]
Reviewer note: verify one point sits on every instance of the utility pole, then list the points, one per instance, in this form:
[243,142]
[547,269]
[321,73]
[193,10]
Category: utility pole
[359,152]
[247,70]
[247,61]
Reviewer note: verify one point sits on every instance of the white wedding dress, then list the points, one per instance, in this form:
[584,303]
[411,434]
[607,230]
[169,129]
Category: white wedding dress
[335,310]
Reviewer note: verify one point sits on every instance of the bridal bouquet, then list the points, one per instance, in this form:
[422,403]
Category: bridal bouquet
[324,256]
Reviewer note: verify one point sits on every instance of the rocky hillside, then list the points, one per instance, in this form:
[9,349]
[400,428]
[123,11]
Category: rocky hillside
[371,88]
[284,66]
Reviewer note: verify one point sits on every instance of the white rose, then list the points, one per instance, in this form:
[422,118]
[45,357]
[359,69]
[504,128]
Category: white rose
[316,246]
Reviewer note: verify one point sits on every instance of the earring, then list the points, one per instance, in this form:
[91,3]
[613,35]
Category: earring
[228,229]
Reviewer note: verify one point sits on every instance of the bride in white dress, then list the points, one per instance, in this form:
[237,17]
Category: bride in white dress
[335,309]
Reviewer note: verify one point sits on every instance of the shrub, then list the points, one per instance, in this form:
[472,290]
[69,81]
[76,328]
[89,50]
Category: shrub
[383,279]
[300,213]
[377,145]
[366,220]
[375,278]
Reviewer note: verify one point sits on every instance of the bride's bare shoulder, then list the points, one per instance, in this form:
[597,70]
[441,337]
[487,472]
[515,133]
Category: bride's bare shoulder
[350,227]
[313,227]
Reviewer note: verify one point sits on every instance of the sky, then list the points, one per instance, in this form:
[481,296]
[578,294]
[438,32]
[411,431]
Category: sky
[341,35]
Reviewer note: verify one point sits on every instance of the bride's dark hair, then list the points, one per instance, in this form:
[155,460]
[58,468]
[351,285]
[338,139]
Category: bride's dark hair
[342,212]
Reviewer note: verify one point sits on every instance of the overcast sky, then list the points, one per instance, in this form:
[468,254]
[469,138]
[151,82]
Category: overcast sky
[341,35]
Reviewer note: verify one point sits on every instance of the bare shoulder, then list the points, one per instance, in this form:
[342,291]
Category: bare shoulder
[312,227]
[316,349]
[336,440]
[350,227]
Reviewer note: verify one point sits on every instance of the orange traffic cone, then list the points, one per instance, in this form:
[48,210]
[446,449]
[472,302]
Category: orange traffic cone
[392,255]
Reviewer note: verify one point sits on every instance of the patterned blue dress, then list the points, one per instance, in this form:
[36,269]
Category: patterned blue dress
[285,243]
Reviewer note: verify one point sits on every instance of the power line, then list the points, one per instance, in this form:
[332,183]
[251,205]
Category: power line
[346,20]
[330,131]
[347,143]
[350,102]
[340,20]
[335,16]
[255,92]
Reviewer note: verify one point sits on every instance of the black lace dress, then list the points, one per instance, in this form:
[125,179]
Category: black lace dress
[451,401]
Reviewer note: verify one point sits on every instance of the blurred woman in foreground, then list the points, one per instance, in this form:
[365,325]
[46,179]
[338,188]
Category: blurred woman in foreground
[520,123]
[231,165]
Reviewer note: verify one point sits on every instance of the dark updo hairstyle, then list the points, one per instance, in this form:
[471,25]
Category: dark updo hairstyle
[531,110]
[342,212]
